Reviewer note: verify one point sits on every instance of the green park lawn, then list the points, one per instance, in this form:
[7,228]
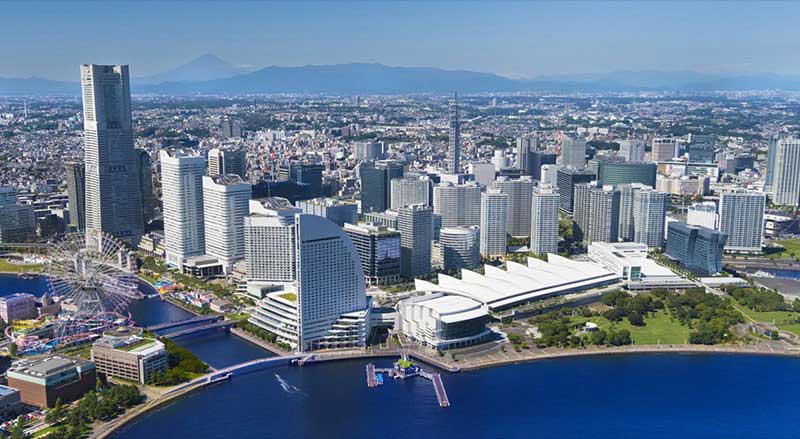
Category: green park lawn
[8,267]
[791,248]
[786,320]
[659,328]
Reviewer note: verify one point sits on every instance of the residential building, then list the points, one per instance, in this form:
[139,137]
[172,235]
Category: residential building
[632,150]
[544,219]
[741,219]
[597,212]
[567,179]
[225,204]
[520,193]
[649,212]
[483,173]
[408,190]
[182,205]
[454,145]
[703,214]
[785,184]
[626,212]
[456,204]
[573,152]
[368,151]
[493,228]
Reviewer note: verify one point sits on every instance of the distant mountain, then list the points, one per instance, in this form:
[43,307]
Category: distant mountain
[345,79]
[209,74]
[203,68]
[37,86]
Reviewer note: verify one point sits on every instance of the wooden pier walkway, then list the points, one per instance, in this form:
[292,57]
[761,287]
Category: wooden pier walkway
[441,394]
[372,380]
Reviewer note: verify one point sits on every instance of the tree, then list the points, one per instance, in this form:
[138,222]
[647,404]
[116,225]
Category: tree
[599,337]
[636,319]
[16,431]
[56,413]
[12,349]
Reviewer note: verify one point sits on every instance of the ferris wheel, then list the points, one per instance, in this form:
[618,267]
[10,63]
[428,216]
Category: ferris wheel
[93,284]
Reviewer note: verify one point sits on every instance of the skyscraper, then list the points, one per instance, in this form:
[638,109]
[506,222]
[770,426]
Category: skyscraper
[270,244]
[376,180]
[182,197]
[701,148]
[144,169]
[567,179]
[410,190]
[649,212]
[535,161]
[785,172]
[519,204]
[225,204]
[379,250]
[741,218]
[300,172]
[697,248]
[663,149]
[544,219]
[494,210]
[457,203]
[325,305]
[597,212]
[113,199]
[17,222]
[454,147]
[415,223]
[227,162]
[769,178]
[573,152]
[459,247]
[76,187]
[703,214]
[526,145]
[632,150]
[627,219]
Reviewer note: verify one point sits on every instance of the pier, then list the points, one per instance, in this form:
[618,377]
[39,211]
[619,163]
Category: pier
[409,371]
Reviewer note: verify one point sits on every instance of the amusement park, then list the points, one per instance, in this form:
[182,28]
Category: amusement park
[89,288]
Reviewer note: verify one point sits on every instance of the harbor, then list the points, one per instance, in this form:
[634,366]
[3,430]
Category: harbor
[405,369]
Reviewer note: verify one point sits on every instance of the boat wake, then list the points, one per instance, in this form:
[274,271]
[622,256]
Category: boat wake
[289,388]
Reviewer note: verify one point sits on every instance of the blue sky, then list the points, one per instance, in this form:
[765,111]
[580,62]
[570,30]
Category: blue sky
[519,39]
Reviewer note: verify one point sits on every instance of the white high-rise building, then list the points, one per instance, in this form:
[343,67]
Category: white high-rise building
[519,204]
[409,190]
[627,218]
[454,146]
[457,203]
[225,204]
[649,212]
[325,306]
[182,198]
[741,217]
[494,209]
[544,219]
[483,173]
[703,214]
[113,200]
[632,150]
[500,160]
[573,152]
[459,247]
[786,172]
[269,237]
[663,149]
[550,174]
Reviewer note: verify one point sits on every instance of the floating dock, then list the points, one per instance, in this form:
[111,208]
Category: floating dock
[375,378]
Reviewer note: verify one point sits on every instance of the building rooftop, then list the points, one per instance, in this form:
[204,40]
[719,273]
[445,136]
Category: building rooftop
[46,366]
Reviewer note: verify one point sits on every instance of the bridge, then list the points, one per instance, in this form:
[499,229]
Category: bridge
[236,369]
[198,328]
[187,322]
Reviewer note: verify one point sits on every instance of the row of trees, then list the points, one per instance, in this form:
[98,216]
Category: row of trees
[102,405]
[181,364]
[263,334]
[762,299]
[635,308]
[711,315]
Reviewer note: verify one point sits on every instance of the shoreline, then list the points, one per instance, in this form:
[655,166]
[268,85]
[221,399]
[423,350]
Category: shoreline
[107,430]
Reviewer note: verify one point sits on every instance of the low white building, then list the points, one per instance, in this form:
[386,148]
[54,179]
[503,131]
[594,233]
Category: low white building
[629,261]
[443,321]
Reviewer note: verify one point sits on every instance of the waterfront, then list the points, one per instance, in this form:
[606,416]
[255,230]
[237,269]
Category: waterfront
[650,395]
[656,396]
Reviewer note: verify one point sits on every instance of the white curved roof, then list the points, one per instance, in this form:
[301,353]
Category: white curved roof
[500,288]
